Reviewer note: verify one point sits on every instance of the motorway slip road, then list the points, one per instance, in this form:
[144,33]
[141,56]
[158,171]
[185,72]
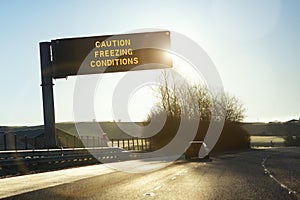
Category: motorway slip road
[257,174]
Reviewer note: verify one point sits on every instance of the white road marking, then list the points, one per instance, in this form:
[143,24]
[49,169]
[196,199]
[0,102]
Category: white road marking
[157,188]
[180,173]
[27,183]
[290,191]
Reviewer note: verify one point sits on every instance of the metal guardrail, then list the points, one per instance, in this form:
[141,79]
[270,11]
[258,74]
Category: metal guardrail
[23,142]
[63,156]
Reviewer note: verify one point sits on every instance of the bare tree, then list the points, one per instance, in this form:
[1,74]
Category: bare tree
[181,99]
[168,93]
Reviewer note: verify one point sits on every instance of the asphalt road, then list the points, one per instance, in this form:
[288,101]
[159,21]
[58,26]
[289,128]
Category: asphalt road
[256,174]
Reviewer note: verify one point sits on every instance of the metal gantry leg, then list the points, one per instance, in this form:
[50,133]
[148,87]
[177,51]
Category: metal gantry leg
[48,100]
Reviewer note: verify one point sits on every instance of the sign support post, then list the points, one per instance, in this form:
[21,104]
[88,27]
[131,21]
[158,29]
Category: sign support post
[48,100]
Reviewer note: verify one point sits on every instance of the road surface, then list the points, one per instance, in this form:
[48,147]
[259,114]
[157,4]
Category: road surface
[256,174]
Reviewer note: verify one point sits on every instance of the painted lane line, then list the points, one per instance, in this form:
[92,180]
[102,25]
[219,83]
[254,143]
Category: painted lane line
[28,183]
[268,172]
[157,187]
[151,192]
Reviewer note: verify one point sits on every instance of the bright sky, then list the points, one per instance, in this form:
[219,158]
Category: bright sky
[254,44]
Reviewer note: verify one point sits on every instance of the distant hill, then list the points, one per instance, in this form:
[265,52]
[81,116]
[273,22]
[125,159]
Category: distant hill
[111,129]
[20,129]
[291,127]
[68,132]
[114,132]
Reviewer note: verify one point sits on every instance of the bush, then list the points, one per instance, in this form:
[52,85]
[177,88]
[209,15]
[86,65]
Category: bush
[233,137]
[289,140]
[179,99]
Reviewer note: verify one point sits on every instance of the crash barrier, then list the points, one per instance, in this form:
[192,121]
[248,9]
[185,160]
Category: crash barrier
[60,158]
[24,142]
[136,144]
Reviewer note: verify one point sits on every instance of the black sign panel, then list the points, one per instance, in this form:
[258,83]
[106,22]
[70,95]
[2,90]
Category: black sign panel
[111,53]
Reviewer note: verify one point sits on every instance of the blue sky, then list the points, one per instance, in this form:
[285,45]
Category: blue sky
[255,46]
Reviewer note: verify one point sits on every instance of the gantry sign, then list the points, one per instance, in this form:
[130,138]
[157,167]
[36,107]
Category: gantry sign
[61,58]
